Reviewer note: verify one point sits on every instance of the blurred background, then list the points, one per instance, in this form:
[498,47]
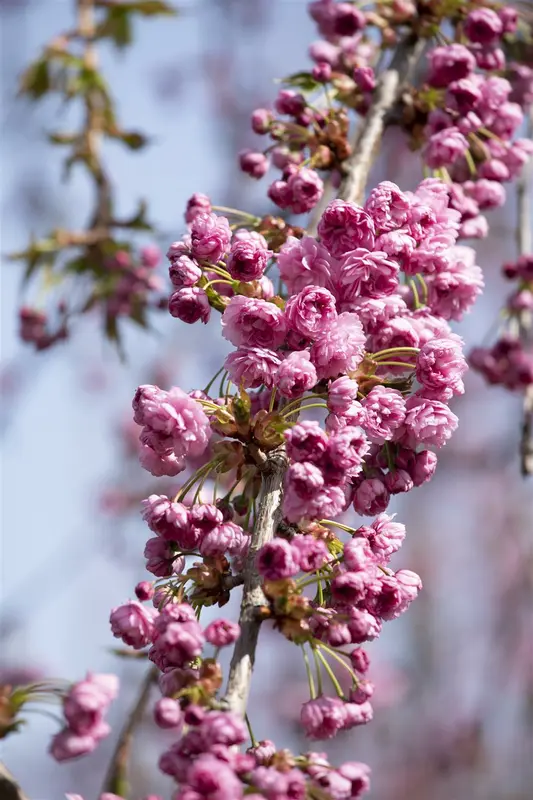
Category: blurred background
[454,676]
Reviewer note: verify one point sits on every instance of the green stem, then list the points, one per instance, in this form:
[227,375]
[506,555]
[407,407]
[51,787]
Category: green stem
[390,350]
[296,403]
[319,589]
[305,408]
[312,690]
[396,364]
[338,658]
[213,379]
[272,399]
[236,212]
[218,280]
[337,525]
[221,387]
[217,270]
[318,671]
[416,297]
[310,582]
[192,480]
[250,731]
[423,284]
[332,676]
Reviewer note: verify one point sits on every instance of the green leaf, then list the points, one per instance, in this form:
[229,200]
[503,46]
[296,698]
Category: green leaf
[152,8]
[38,253]
[78,266]
[139,222]
[117,26]
[133,139]
[302,80]
[62,138]
[35,80]
[148,8]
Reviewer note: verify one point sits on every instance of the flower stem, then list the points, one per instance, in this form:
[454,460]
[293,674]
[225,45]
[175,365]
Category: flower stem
[253,740]
[332,676]
[312,690]
[318,671]
[304,408]
[213,379]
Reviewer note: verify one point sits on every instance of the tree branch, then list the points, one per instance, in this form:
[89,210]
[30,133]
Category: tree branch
[357,168]
[116,777]
[9,788]
[525,247]
[369,134]
[268,519]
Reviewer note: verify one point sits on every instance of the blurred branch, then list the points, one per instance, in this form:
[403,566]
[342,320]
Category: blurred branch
[525,247]
[116,779]
[9,788]
[268,518]
[121,282]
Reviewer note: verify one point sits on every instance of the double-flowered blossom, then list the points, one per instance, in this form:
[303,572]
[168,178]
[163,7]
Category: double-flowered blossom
[174,427]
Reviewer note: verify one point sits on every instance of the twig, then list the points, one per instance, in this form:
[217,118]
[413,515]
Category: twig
[318,210]
[94,113]
[116,777]
[268,518]
[369,134]
[9,788]
[525,247]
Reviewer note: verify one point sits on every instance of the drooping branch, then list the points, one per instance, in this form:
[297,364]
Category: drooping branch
[525,247]
[268,519]
[116,780]
[269,516]
[94,112]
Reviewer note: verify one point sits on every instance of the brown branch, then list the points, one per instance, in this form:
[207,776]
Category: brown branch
[94,118]
[9,788]
[116,777]
[268,519]
[525,247]
[369,134]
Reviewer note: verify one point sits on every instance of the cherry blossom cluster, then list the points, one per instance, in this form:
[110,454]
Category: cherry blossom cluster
[464,116]
[509,361]
[358,336]
[475,111]
[206,763]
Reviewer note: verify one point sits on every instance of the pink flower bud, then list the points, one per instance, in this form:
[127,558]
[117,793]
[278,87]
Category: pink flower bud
[144,591]
[253,163]
[183,271]
[133,623]
[365,78]
[190,304]
[261,120]
[168,714]
[296,375]
[222,632]
[196,204]
[483,26]
[322,72]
